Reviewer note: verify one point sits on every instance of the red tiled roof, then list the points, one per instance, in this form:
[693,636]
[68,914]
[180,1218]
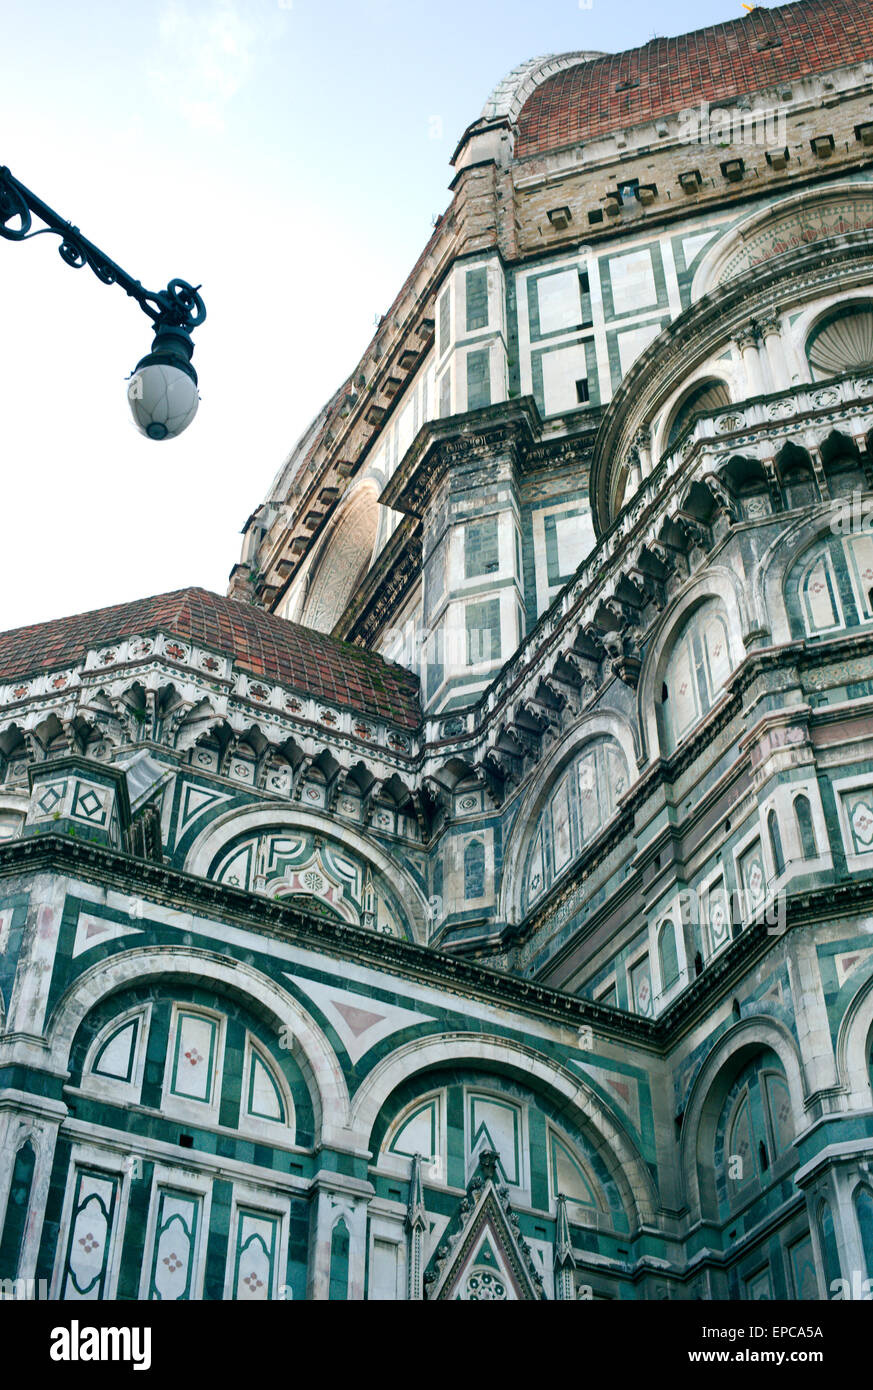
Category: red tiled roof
[260,643]
[711,65]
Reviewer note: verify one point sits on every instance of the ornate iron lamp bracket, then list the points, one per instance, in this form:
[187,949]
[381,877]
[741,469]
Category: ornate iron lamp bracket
[179,306]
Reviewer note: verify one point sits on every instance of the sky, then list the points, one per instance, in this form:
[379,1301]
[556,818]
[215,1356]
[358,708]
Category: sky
[289,156]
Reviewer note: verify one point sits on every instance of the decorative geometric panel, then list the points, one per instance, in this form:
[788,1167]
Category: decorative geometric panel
[779,1107]
[739,1147]
[51,797]
[265,1097]
[359,1021]
[859,559]
[91,1232]
[97,931]
[759,1287]
[641,987]
[569,1178]
[753,877]
[819,601]
[254,1276]
[618,1087]
[194,1058]
[89,804]
[419,1134]
[858,806]
[176,1231]
[717,916]
[803,1275]
[562,845]
[196,801]
[535,875]
[845,965]
[116,1057]
[496,1124]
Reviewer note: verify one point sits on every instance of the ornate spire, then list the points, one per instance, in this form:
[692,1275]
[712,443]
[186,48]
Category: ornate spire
[565,1260]
[417,1227]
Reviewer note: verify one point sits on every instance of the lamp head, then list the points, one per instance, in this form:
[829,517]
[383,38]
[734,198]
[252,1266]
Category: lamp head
[162,390]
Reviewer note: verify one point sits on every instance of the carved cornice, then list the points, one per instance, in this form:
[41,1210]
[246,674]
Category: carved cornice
[271,918]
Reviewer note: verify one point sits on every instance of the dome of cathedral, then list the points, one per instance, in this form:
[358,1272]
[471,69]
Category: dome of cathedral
[579,97]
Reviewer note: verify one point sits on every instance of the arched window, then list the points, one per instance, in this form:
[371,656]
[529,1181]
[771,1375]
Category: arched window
[667,954]
[805,829]
[705,398]
[754,1132]
[740,1153]
[829,589]
[775,843]
[474,870]
[697,671]
[830,1251]
[864,1214]
[577,807]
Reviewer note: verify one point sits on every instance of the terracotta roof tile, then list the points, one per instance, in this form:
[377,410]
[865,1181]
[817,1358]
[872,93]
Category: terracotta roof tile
[259,643]
[712,65]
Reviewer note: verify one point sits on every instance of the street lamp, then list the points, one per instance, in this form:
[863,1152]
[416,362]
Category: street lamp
[162,390]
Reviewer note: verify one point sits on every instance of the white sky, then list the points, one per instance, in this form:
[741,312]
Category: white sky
[283,153]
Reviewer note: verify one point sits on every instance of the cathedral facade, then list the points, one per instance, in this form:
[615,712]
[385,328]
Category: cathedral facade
[477,902]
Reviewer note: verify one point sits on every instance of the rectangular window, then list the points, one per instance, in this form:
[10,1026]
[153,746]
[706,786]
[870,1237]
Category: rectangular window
[478,379]
[481,550]
[477,299]
[483,631]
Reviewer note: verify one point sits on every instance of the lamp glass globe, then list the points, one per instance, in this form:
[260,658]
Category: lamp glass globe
[163,400]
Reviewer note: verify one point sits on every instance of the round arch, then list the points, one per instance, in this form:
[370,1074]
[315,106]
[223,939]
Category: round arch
[598,724]
[227,827]
[718,582]
[854,1039]
[344,559]
[614,1145]
[707,393]
[310,1047]
[801,218]
[771,573]
[734,1049]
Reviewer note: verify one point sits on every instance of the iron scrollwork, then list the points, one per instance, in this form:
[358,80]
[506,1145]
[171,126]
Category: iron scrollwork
[178,306]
